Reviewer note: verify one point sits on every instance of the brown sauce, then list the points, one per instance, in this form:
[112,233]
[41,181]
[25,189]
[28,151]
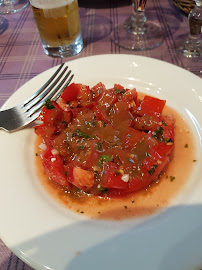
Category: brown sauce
[144,202]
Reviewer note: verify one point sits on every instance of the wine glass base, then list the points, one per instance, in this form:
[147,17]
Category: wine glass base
[131,39]
[190,52]
[174,56]
[12,6]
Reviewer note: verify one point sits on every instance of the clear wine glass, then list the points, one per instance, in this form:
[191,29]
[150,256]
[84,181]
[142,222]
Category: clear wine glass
[191,47]
[12,6]
[136,33]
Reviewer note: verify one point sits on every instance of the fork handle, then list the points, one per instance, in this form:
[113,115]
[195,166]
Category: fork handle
[8,120]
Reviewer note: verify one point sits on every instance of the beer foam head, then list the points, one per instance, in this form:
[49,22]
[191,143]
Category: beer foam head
[48,4]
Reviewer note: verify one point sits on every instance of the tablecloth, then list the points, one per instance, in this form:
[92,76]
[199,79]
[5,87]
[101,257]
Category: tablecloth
[22,56]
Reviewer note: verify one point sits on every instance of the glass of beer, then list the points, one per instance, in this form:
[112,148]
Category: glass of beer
[58,22]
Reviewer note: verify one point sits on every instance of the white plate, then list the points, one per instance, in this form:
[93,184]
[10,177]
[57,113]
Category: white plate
[47,236]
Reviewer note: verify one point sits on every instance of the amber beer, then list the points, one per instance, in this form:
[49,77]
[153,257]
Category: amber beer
[58,22]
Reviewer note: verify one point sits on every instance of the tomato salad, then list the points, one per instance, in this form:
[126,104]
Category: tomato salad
[105,142]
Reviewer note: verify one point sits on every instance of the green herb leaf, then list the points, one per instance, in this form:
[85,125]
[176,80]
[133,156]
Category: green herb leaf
[103,189]
[172,178]
[119,91]
[99,146]
[164,123]
[152,171]
[49,104]
[168,140]
[158,134]
[80,147]
[79,133]
[105,158]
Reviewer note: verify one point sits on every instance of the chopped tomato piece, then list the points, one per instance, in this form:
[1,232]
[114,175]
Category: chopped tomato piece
[83,178]
[132,137]
[161,150]
[98,90]
[101,114]
[152,168]
[46,131]
[146,122]
[111,177]
[108,98]
[70,93]
[151,106]
[84,93]
[54,168]
[51,113]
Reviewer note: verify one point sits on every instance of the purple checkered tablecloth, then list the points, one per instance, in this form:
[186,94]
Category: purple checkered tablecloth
[22,56]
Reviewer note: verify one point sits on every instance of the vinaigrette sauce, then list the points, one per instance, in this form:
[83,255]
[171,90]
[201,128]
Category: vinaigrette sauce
[145,202]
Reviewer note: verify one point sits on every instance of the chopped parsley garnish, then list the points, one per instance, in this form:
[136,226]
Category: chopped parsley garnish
[164,123]
[105,158]
[168,140]
[158,134]
[49,104]
[119,91]
[152,171]
[99,146]
[79,133]
[103,189]
[172,178]
[80,147]
[91,124]
[186,145]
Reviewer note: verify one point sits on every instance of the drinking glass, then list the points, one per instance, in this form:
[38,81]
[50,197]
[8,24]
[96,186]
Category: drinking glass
[191,47]
[58,22]
[12,6]
[136,33]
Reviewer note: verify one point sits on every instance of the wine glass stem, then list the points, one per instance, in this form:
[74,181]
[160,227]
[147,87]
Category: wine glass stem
[138,19]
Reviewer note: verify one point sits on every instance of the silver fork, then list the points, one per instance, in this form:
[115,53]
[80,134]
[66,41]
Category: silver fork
[26,112]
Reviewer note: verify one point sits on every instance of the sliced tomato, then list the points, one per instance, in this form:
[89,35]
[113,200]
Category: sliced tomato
[132,137]
[134,185]
[51,113]
[54,168]
[61,145]
[131,95]
[79,177]
[160,150]
[84,93]
[118,86]
[152,168]
[108,98]
[70,92]
[83,177]
[146,122]
[151,106]
[169,133]
[86,159]
[98,90]
[111,178]
[44,130]
[101,114]
[120,116]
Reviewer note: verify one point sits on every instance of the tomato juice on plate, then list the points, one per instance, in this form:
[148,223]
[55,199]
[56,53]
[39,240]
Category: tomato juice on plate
[103,151]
